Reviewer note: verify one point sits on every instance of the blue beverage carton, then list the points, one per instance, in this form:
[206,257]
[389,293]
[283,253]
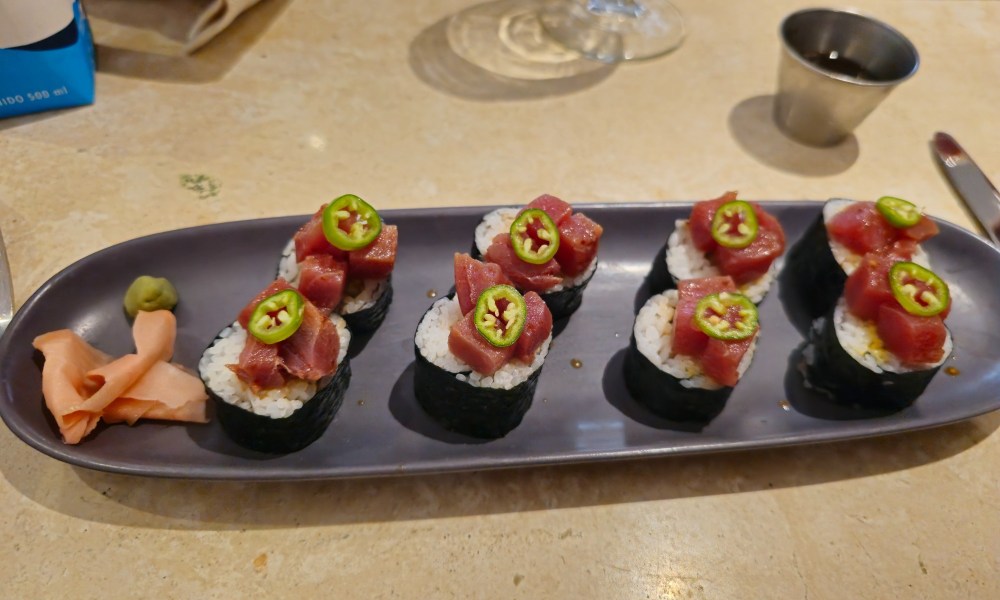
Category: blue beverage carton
[55,71]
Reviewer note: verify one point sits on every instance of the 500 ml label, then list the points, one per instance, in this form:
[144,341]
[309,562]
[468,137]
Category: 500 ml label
[32,96]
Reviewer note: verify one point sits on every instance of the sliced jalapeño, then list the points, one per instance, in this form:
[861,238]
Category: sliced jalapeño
[726,316]
[898,212]
[534,236]
[734,225]
[918,290]
[277,317]
[500,315]
[350,223]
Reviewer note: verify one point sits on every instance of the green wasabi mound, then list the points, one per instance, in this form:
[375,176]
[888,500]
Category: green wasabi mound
[149,293]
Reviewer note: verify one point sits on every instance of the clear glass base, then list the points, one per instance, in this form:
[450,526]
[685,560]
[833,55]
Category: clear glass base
[505,37]
[612,31]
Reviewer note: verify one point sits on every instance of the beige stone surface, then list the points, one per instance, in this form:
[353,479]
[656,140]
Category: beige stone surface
[303,100]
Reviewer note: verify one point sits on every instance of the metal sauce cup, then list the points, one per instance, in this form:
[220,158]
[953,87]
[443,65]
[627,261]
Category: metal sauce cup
[836,67]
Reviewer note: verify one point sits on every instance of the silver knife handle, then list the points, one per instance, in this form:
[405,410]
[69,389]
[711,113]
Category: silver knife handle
[6,289]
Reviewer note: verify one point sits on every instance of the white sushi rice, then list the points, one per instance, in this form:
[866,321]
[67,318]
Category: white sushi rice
[654,335]
[432,340]
[848,260]
[685,261]
[371,291]
[499,221]
[860,339]
[277,403]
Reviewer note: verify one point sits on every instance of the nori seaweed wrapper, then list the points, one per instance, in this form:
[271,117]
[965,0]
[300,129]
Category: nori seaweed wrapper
[812,278]
[467,409]
[565,302]
[663,394]
[368,319]
[292,433]
[828,367]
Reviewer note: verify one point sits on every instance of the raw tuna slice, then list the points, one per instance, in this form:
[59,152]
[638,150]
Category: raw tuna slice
[311,352]
[536,329]
[276,286]
[472,277]
[863,229]
[466,343]
[376,260]
[867,287]
[578,239]
[914,340]
[321,280]
[721,360]
[557,209]
[259,365]
[310,240]
[688,339]
[700,222]
[924,229]
[749,263]
[526,276]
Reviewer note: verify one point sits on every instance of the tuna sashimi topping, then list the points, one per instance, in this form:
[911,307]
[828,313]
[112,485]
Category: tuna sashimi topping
[912,338]
[746,263]
[575,246]
[477,283]
[377,260]
[310,353]
[472,278]
[578,240]
[863,229]
[558,210]
[322,279]
[688,338]
[526,276]
[718,358]
[367,250]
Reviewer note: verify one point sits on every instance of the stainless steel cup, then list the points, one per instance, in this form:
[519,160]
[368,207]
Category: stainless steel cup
[836,67]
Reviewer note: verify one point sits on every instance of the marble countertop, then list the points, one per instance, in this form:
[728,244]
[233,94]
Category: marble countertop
[300,101]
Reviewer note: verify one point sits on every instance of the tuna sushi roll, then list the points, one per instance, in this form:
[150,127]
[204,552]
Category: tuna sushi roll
[545,248]
[342,261]
[690,346]
[885,338]
[479,353]
[837,242]
[729,237]
[278,374]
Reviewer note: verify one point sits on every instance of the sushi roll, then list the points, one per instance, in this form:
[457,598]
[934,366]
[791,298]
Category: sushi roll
[544,247]
[480,352]
[690,346]
[885,338]
[278,374]
[342,261]
[838,240]
[727,236]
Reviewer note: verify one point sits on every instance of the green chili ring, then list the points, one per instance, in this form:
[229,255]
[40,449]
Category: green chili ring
[926,300]
[523,243]
[277,317]
[740,234]
[362,232]
[500,315]
[713,315]
[898,212]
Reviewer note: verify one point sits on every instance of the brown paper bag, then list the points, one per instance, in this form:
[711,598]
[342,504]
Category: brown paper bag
[171,27]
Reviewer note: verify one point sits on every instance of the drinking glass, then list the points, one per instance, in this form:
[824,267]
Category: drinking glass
[612,31]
